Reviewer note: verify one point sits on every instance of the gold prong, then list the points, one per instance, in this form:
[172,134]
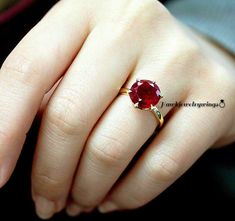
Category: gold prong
[136,105]
[160,95]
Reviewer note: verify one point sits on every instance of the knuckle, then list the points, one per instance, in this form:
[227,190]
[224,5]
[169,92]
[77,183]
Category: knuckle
[108,149]
[48,186]
[187,49]
[190,49]
[185,52]
[220,80]
[140,18]
[146,6]
[147,10]
[19,67]
[163,168]
[65,117]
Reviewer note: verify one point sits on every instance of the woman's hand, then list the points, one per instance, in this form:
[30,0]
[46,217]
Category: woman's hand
[88,134]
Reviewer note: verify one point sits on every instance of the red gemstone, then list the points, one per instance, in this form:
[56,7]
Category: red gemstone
[145,94]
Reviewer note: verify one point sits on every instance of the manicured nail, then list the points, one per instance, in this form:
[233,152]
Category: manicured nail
[107,207]
[45,209]
[73,210]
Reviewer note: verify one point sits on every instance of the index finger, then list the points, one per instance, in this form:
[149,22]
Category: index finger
[32,68]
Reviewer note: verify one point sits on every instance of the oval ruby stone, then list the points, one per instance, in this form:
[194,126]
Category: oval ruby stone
[144,94]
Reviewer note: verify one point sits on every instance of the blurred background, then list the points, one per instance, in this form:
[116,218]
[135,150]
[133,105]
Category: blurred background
[208,188]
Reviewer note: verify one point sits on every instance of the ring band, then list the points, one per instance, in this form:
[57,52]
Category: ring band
[145,95]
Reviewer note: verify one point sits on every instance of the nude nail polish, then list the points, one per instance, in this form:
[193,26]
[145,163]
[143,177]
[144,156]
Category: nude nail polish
[73,210]
[107,207]
[45,209]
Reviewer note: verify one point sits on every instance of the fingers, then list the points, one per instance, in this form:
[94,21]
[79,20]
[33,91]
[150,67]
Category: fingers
[180,143]
[110,148]
[88,88]
[118,136]
[28,73]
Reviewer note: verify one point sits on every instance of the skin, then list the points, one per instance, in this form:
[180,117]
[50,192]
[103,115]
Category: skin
[88,133]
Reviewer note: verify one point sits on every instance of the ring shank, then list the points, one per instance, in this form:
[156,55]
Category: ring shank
[124,91]
[158,115]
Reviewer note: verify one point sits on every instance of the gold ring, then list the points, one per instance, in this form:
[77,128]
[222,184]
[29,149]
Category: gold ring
[145,95]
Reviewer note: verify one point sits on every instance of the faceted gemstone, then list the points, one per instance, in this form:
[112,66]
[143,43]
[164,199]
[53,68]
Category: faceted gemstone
[144,94]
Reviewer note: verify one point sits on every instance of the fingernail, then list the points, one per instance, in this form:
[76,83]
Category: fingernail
[107,207]
[73,210]
[45,209]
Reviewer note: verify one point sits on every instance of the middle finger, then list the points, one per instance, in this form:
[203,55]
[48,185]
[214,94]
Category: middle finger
[87,89]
